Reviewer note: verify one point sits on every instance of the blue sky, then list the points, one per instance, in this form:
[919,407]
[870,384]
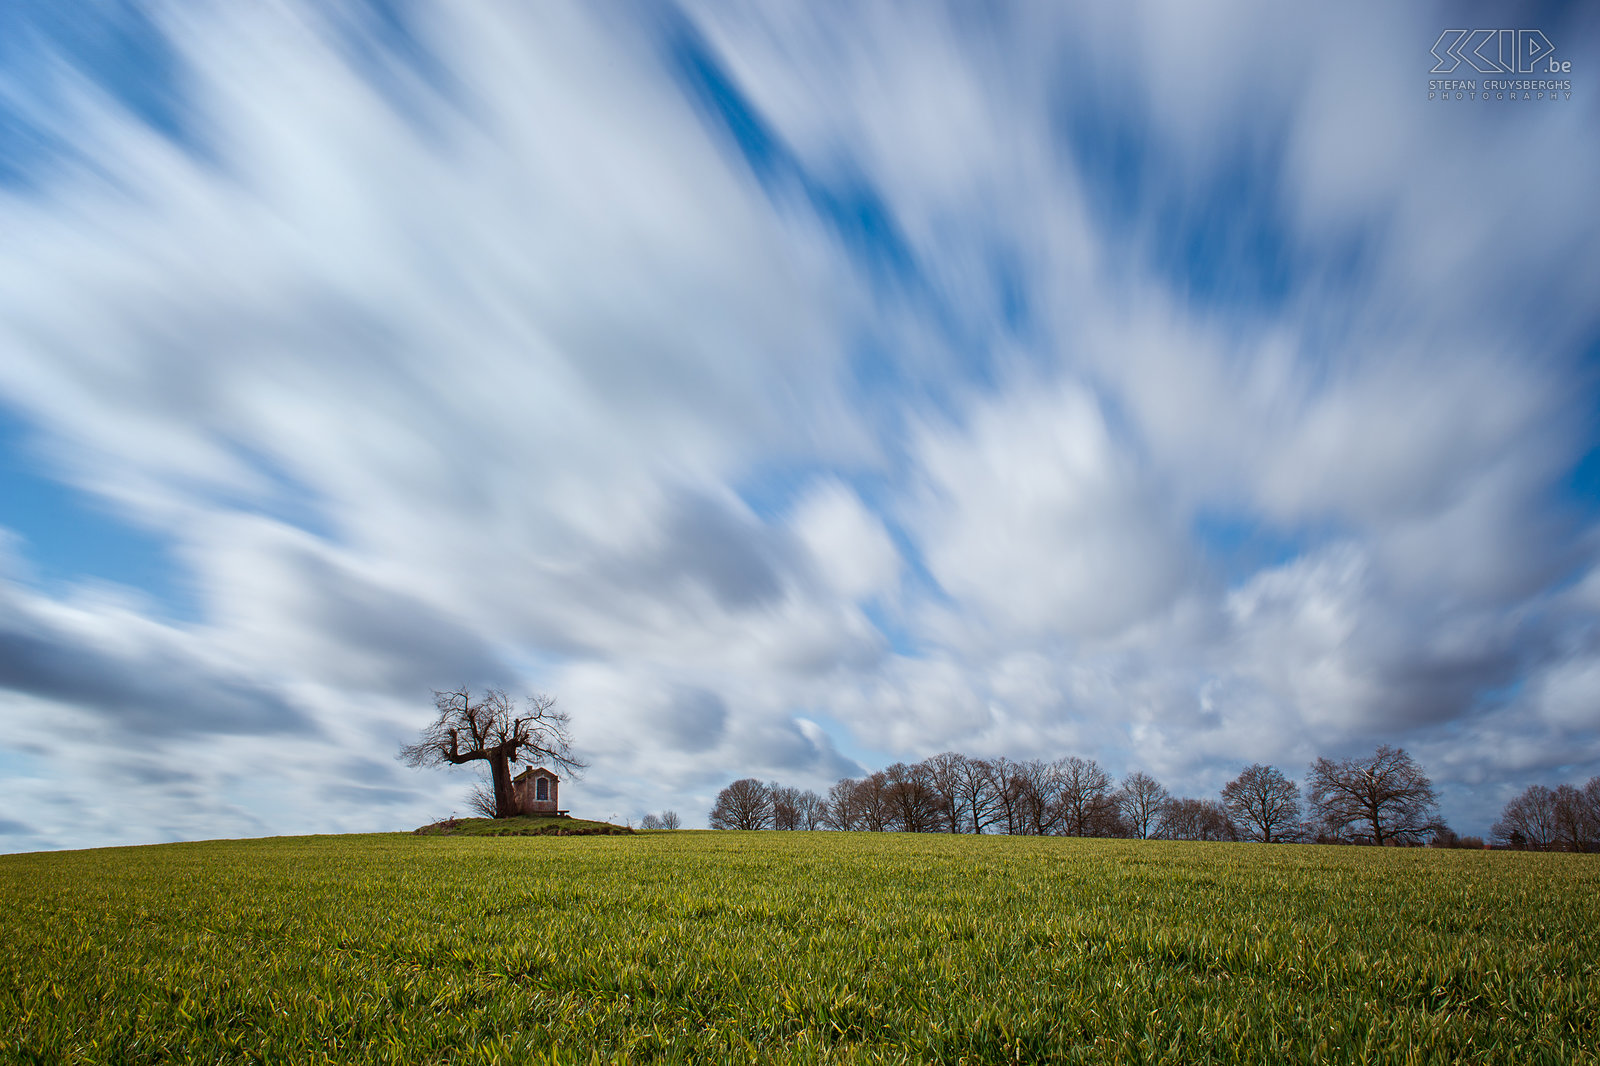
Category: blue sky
[788,391]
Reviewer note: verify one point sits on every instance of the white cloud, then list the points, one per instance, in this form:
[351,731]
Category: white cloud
[1037,519]
[1567,694]
[848,544]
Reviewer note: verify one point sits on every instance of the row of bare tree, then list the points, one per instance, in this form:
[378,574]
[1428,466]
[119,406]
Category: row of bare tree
[1383,798]
[664,820]
[1564,818]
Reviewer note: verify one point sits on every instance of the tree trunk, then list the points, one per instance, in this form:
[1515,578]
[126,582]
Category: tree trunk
[500,768]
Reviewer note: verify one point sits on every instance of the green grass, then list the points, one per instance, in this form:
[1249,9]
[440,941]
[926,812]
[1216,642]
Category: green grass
[524,825]
[795,947]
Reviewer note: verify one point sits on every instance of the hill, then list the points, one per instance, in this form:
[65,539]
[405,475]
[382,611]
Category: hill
[795,947]
[522,825]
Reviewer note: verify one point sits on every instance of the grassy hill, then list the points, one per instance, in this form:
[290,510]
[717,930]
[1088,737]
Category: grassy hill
[523,825]
[795,947]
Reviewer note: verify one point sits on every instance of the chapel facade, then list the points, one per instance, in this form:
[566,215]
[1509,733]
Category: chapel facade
[535,791]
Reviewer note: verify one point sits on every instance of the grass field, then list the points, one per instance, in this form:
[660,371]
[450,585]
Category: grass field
[795,947]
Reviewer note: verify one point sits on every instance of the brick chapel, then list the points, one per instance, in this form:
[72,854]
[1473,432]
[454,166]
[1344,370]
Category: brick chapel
[534,791]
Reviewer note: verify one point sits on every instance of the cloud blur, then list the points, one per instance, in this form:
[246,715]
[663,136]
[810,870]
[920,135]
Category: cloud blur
[787,395]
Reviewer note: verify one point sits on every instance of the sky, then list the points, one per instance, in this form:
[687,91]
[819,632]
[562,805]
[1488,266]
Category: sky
[790,390]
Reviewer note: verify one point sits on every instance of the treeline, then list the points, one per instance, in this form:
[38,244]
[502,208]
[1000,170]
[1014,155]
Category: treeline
[1564,818]
[1383,798]
[664,820]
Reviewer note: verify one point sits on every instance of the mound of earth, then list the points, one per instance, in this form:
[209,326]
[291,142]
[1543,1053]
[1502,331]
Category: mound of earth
[523,826]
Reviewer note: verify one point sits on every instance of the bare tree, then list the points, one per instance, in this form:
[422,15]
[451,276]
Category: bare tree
[1007,795]
[1566,817]
[670,820]
[1574,829]
[491,729]
[1142,799]
[1386,793]
[481,799]
[913,804]
[1196,819]
[785,806]
[745,804]
[1084,798]
[841,810]
[945,773]
[795,808]
[1529,820]
[1036,790]
[809,808]
[1445,837]
[977,791]
[1591,806]
[872,801]
[650,821]
[1265,802]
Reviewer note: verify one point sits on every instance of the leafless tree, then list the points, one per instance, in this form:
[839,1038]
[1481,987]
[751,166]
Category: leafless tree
[945,773]
[492,729]
[1385,793]
[1574,823]
[1264,802]
[1591,805]
[745,804]
[1445,837]
[785,806]
[480,800]
[1036,789]
[670,820]
[840,810]
[1084,798]
[913,804]
[809,807]
[1142,799]
[795,808]
[1529,820]
[977,792]
[872,801]
[1004,773]
[1196,819]
[650,821]
[1566,817]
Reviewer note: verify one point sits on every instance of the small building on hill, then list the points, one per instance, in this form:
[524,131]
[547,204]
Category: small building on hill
[535,791]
